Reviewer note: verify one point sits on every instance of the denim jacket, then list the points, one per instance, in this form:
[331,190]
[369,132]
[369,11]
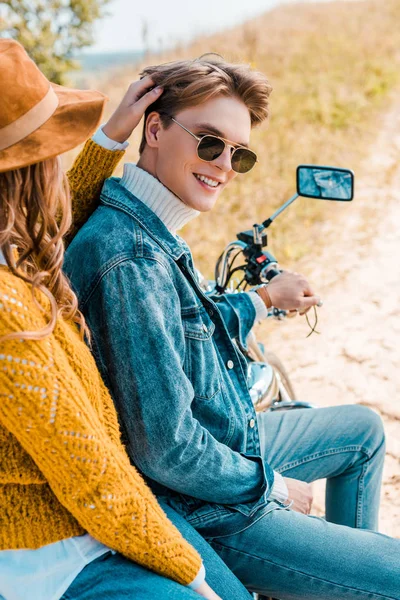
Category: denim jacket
[166,352]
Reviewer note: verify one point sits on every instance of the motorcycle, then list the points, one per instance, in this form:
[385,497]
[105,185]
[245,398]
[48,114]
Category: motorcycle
[268,381]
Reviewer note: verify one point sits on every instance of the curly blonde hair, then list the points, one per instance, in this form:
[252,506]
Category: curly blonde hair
[35,214]
[189,83]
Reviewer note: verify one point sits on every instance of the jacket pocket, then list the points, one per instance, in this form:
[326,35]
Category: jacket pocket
[201,365]
[201,361]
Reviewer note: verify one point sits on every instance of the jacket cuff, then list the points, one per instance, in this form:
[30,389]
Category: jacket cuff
[199,579]
[246,319]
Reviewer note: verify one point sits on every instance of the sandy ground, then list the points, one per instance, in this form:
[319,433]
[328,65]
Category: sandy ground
[356,358]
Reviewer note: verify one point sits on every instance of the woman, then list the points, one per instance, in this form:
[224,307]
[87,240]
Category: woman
[75,513]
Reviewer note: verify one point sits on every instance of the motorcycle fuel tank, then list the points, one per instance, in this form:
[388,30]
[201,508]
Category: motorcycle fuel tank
[263,384]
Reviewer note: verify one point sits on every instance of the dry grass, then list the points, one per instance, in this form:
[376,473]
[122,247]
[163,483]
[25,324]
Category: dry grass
[332,66]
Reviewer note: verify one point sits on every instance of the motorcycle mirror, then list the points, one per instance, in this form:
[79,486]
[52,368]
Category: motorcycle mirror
[326,183]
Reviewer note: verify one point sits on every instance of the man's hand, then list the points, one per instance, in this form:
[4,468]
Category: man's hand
[301,494]
[290,291]
[131,109]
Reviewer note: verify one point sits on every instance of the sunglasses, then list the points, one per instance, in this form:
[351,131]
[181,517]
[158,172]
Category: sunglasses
[210,147]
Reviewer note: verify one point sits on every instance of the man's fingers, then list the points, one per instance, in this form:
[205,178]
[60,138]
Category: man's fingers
[309,301]
[307,289]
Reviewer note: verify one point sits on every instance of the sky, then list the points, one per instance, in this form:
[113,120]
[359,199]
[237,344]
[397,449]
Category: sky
[170,21]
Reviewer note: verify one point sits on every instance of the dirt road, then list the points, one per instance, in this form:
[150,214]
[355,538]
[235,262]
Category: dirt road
[356,358]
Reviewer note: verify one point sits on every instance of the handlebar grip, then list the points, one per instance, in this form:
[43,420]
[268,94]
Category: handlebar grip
[271,273]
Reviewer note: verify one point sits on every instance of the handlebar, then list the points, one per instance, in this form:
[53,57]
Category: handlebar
[269,274]
[221,270]
[260,266]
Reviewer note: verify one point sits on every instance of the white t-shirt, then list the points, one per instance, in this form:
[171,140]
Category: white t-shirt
[46,572]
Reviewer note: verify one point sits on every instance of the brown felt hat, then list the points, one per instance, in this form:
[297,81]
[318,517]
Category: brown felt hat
[39,119]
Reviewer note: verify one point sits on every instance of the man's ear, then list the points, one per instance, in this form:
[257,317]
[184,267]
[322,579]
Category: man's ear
[153,128]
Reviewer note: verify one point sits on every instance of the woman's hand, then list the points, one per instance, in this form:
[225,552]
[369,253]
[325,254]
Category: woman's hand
[131,109]
[205,591]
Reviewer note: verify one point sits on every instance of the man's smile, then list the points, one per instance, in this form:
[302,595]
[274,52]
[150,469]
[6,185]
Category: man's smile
[210,182]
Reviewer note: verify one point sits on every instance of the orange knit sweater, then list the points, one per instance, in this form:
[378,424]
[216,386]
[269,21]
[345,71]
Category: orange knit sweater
[92,166]
[63,468]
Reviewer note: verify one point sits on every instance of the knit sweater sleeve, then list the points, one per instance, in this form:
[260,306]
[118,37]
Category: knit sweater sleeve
[93,165]
[59,426]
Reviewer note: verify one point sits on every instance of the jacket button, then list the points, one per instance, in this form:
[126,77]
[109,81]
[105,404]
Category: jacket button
[230,364]
[210,312]
[252,423]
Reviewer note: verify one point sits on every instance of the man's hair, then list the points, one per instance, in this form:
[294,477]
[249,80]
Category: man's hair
[189,83]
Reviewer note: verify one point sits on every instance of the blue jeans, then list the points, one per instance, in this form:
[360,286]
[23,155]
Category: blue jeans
[114,577]
[292,556]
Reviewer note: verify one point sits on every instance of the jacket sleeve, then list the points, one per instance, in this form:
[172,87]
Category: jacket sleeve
[138,340]
[93,165]
[89,473]
[238,312]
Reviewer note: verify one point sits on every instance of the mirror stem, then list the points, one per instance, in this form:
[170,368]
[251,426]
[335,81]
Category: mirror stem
[268,222]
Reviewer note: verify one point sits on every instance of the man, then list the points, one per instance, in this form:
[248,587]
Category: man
[166,352]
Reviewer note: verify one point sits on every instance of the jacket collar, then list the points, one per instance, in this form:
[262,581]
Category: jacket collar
[117,196]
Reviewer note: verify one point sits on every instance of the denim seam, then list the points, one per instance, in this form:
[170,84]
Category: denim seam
[139,241]
[99,276]
[201,336]
[263,514]
[203,519]
[249,322]
[194,310]
[172,252]
[232,420]
[207,398]
[113,265]
[317,455]
[313,577]
[359,496]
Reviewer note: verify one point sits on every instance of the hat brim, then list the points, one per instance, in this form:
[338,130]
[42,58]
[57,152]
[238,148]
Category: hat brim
[77,116]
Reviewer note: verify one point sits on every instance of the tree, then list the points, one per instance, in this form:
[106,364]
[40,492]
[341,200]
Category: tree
[51,31]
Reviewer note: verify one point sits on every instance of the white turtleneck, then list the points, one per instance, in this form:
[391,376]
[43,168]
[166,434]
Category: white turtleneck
[149,190]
